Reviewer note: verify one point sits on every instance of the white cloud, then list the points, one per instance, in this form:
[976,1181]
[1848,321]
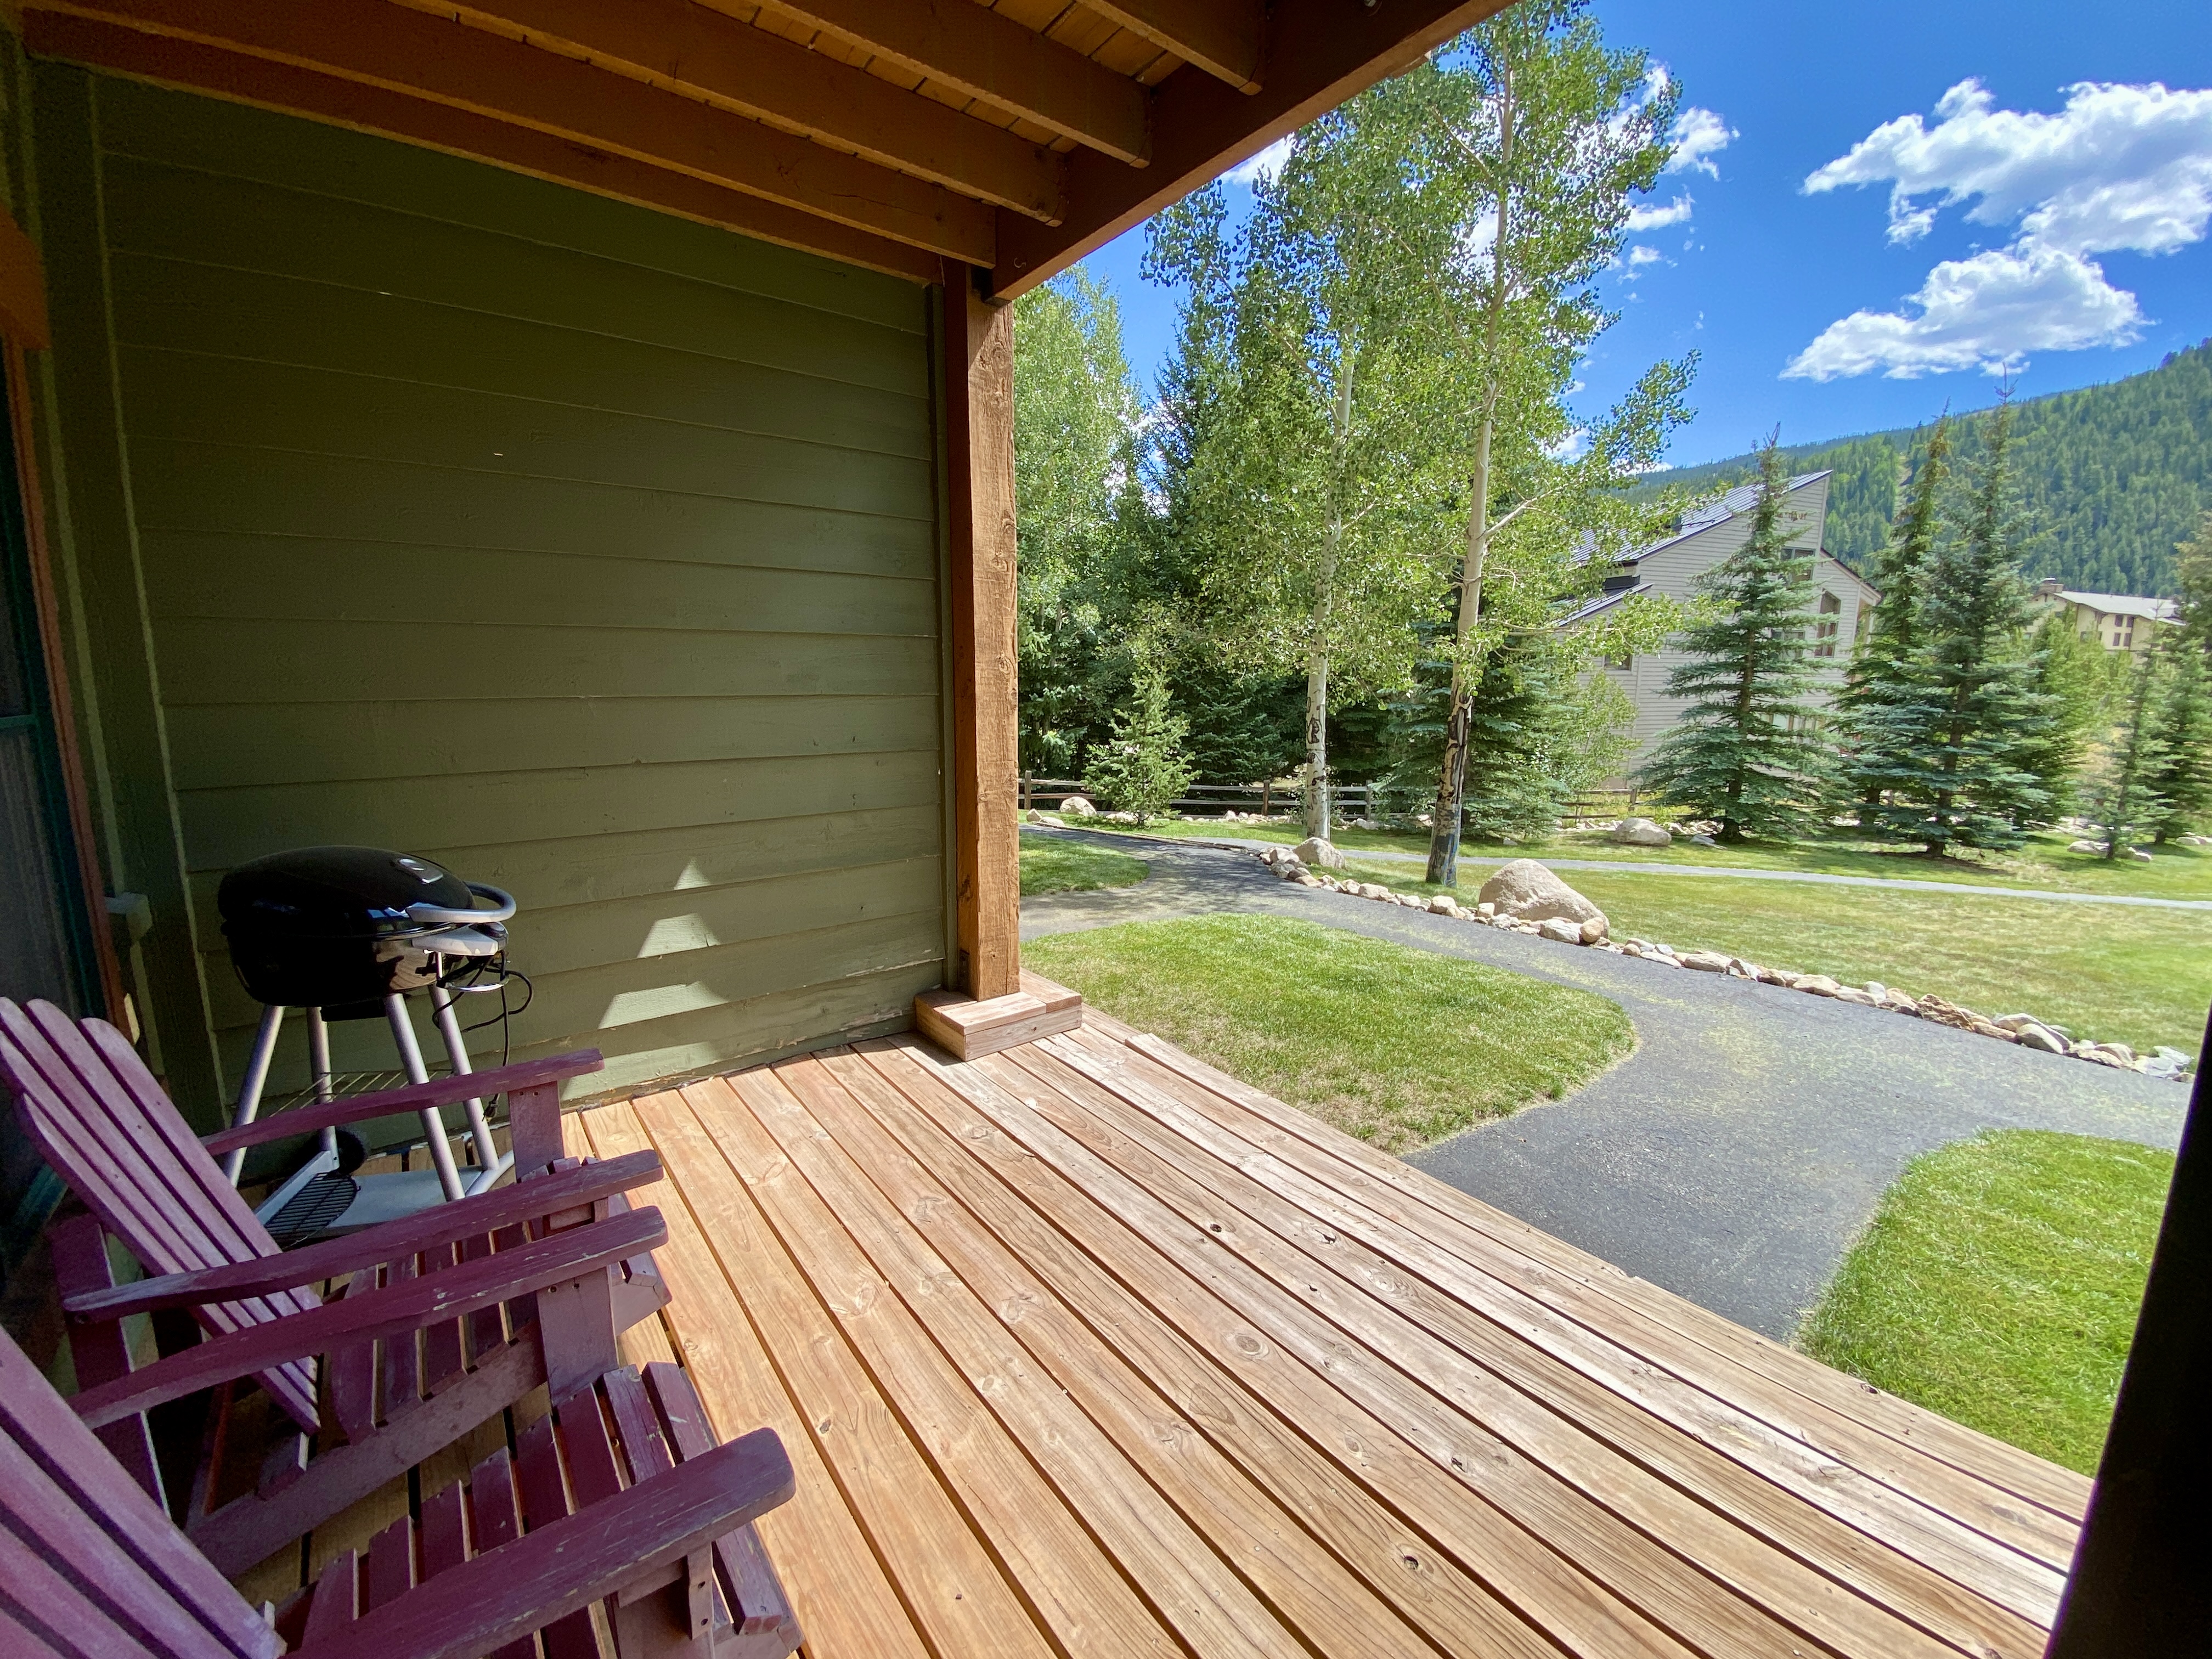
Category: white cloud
[2119,168]
[1657,216]
[1267,165]
[1640,255]
[1987,312]
[1697,135]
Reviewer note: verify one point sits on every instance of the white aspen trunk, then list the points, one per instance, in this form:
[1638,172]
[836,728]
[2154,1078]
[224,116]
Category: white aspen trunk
[1317,779]
[1451,785]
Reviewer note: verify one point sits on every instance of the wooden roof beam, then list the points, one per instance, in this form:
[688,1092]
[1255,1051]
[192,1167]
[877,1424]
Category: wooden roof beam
[466,69]
[689,48]
[294,91]
[961,44]
[1320,52]
[1221,37]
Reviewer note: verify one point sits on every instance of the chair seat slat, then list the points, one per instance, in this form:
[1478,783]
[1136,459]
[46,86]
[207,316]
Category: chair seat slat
[336,1601]
[444,1531]
[496,1520]
[390,1572]
[402,1376]
[442,1343]
[760,1604]
[539,1485]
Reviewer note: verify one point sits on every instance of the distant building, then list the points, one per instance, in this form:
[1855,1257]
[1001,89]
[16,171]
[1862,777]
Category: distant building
[2118,622]
[1842,607]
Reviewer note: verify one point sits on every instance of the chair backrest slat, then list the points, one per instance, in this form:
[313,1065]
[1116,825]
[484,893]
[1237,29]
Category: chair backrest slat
[127,1152]
[114,1575]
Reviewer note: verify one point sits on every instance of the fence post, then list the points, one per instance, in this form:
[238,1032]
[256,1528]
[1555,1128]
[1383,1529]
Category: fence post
[1026,792]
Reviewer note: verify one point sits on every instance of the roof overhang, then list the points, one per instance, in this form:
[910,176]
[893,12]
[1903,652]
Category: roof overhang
[896,134]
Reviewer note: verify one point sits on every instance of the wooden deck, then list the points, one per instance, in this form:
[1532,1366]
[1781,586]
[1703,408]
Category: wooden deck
[1086,1349]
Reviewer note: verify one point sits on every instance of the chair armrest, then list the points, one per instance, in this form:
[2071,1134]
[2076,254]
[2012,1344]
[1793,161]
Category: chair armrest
[442,1223]
[395,1310]
[415,1097]
[505,1594]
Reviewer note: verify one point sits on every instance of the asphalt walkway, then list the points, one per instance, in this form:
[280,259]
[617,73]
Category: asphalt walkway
[1737,1154]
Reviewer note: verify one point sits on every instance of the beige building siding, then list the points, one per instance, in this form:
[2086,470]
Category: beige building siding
[1673,570]
[591,552]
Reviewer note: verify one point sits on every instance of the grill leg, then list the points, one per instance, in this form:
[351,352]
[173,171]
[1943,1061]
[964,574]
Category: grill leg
[318,1062]
[433,1126]
[250,1086]
[457,1050]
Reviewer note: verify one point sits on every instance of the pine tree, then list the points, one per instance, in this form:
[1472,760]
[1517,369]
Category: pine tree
[1745,751]
[1142,767]
[2125,798]
[1973,703]
[2074,678]
[2183,778]
[1878,751]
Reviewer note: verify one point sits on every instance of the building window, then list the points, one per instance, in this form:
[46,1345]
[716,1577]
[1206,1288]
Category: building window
[1829,625]
[2127,634]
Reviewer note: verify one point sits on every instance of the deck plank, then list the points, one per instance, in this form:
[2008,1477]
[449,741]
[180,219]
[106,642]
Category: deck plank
[1887,1488]
[989,1175]
[1190,1586]
[1524,1570]
[1705,1349]
[1449,1408]
[1314,1592]
[1648,1472]
[1085,1347]
[1057,1567]
[845,1600]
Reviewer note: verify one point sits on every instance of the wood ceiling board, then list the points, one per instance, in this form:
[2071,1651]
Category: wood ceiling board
[290,90]
[994,58]
[448,63]
[694,51]
[1221,37]
[1323,52]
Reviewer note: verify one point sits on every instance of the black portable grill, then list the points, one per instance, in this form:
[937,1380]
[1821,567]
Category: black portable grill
[347,932]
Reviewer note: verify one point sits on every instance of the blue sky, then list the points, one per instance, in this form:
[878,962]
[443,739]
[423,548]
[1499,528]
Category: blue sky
[1952,230]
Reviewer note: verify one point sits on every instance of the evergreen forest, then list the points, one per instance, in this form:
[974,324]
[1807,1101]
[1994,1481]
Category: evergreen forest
[2111,477]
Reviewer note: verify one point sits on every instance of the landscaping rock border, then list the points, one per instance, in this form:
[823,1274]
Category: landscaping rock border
[2025,1030]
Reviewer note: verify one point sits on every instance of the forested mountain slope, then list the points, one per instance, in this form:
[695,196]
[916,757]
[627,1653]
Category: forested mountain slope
[2111,476]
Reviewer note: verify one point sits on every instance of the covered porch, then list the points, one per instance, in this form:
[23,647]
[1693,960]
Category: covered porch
[1085,1347]
[579,447]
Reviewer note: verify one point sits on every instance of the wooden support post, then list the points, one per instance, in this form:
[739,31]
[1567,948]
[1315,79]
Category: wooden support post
[978,430]
[2139,1583]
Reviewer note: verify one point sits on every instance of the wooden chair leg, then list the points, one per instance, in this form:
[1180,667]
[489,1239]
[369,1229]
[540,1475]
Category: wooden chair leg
[101,1350]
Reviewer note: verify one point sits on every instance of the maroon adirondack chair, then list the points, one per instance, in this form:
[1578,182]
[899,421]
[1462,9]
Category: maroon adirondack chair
[90,1568]
[450,1316]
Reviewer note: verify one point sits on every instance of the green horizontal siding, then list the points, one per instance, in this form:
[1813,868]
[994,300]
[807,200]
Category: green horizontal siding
[591,552]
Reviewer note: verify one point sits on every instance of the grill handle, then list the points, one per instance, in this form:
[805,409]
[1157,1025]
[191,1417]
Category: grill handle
[436,916]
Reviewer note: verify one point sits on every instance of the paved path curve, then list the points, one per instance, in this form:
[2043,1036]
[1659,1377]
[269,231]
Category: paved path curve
[1900,882]
[1737,1155]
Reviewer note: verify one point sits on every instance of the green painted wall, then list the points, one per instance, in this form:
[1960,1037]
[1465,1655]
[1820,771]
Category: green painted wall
[592,552]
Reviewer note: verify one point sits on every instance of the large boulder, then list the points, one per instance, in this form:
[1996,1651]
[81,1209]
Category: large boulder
[1641,832]
[1076,806]
[1524,890]
[1313,850]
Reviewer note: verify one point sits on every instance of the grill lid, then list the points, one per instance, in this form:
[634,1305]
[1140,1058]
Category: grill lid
[338,893]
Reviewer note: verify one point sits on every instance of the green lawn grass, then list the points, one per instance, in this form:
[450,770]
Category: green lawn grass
[1069,866]
[1999,1285]
[1399,1046]
[2172,873]
[2116,974]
